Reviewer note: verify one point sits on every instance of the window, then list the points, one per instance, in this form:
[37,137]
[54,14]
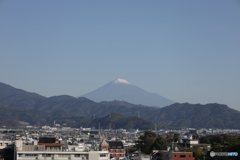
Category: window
[46,155]
[76,155]
[30,155]
[182,156]
[103,155]
[20,155]
[81,155]
[64,155]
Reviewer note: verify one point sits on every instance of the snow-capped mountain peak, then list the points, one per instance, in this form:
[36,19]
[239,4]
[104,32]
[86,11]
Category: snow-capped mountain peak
[123,81]
[122,90]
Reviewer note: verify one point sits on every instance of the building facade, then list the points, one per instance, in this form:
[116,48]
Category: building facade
[171,155]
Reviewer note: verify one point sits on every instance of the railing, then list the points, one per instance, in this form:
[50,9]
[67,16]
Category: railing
[55,150]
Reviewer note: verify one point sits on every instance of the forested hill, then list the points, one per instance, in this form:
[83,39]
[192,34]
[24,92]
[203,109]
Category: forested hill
[200,116]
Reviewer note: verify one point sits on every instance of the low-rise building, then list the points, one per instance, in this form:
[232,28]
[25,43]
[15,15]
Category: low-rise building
[171,155]
[50,150]
[115,148]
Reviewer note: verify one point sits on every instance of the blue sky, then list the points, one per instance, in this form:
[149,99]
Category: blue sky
[187,51]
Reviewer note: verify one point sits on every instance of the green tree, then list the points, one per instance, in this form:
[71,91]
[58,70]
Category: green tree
[197,152]
[146,141]
[159,144]
[222,143]
[149,134]
[175,137]
[195,136]
[169,138]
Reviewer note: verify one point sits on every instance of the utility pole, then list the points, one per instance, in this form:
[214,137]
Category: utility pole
[45,153]
[185,146]
[99,128]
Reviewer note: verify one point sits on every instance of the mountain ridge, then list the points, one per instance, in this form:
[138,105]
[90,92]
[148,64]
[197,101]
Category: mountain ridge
[17,106]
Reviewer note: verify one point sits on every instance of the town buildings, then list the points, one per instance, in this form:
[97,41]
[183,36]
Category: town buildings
[86,144]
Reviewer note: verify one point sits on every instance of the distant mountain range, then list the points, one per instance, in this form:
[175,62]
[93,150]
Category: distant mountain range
[122,90]
[18,105]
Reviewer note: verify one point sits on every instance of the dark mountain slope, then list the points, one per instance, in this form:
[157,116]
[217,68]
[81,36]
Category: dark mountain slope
[85,107]
[40,118]
[118,120]
[13,97]
[7,90]
[197,115]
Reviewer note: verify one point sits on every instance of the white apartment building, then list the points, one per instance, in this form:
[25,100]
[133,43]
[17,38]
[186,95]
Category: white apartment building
[33,152]
[58,155]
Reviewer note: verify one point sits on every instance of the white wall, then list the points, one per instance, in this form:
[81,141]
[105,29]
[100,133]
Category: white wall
[92,155]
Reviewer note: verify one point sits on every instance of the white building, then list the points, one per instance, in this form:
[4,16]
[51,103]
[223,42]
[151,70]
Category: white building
[59,155]
[4,144]
[33,152]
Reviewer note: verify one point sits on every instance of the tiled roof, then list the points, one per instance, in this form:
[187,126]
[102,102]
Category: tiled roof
[115,143]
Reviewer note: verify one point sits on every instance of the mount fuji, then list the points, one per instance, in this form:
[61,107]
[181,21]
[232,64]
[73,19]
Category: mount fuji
[122,90]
